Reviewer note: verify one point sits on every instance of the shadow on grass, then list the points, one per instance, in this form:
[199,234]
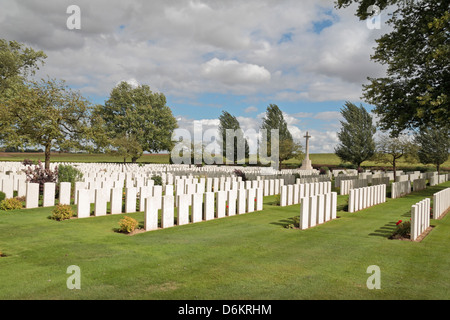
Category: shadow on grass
[283,222]
[385,231]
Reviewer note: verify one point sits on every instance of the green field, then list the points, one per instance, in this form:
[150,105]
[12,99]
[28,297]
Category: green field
[250,256]
[317,159]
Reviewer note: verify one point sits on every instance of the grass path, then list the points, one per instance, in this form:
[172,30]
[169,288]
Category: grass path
[251,256]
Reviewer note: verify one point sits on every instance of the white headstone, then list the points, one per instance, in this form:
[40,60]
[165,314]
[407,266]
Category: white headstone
[151,214]
[116,200]
[241,201]
[304,213]
[157,192]
[209,206]
[221,198]
[21,188]
[197,207]
[283,196]
[231,202]
[167,217]
[333,205]
[64,192]
[259,199]
[320,208]
[144,193]
[130,199]
[100,202]
[251,200]
[49,194]
[312,211]
[83,203]
[183,209]
[327,207]
[32,197]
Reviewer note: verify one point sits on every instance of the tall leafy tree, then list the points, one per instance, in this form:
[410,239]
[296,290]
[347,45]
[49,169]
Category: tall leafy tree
[139,114]
[17,63]
[391,149]
[235,136]
[274,119]
[415,90]
[356,142]
[48,114]
[433,145]
[127,146]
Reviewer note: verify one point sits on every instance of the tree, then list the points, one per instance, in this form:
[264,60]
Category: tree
[46,113]
[415,90]
[391,149]
[274,119]
[235,136]
[136,113]
[433,145]
[127,146]
[356,136]
[17,63]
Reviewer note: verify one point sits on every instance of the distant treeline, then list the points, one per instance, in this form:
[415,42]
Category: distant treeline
[14,149]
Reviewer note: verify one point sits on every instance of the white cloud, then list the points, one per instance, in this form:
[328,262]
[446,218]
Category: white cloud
[261,50]
[232,72]
[250,109]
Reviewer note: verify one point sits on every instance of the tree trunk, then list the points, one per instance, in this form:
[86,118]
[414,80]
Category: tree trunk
[134,159]
[438,168]
[394,168]
[47,156]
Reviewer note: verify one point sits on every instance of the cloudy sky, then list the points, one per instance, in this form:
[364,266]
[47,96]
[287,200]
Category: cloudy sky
[207,56]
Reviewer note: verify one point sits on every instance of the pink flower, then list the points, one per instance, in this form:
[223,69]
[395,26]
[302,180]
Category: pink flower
[398,222]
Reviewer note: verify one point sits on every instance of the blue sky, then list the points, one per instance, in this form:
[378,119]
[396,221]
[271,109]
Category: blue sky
[207,56]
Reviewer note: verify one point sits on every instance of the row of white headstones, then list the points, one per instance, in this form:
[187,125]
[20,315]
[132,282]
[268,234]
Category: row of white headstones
[235,197]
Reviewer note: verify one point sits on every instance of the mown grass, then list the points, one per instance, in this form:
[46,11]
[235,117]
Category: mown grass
[251,256]
[332,160]
[317,160]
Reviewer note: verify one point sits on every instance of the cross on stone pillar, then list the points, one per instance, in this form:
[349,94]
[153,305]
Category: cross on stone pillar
[307,143]
[306,164]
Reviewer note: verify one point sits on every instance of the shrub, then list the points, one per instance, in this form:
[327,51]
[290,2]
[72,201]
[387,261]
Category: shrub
[127,224]
[277,201]
[62,212]
[38,174]
[27,162]
[295,224]
[69,174]
[2,196]
[403,229]
[158,180]
[11,204]
[240,173]
[324,170]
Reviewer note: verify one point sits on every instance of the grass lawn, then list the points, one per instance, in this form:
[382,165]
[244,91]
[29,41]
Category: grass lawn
[251,256]
[317,160]
[331,159]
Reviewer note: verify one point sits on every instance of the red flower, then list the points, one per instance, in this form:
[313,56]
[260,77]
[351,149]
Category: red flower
[398,222]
